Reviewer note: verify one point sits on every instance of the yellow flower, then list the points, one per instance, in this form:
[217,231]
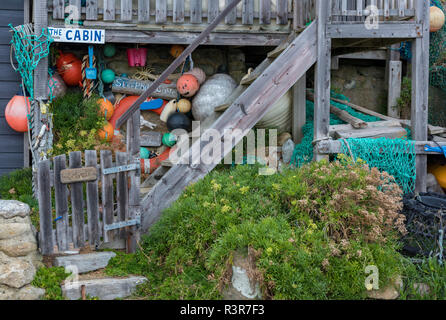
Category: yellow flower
[269,250]
[276,186]
[216,187]
[244,190]
[225,209]
[206,204]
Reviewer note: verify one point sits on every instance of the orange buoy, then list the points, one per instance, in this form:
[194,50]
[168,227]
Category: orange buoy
[16,113]
[149,165]
[440,174]
[106,108]
[437,19]
[187,85]
[107,132]
[176,50]
[70,69]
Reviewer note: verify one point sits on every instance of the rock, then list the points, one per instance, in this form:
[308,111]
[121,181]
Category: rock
[29,293]
[26,293]
[11,230]
[15,272]
[104,289]
[287,151]
[86,262]
[391,292]
[19,246]
[12,208]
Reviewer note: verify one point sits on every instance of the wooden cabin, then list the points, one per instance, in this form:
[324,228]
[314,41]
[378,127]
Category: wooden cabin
[304,32]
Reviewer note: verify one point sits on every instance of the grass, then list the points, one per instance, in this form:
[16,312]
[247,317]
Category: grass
[300,250]
[50,279]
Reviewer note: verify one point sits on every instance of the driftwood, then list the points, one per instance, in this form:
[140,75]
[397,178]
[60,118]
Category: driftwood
[138,87]
[343,115]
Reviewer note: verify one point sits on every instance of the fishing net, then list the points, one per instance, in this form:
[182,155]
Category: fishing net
[396,156]
[425,222]
[437,54]
[29,50]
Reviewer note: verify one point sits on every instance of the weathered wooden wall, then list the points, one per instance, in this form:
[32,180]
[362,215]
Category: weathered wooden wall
[11,142]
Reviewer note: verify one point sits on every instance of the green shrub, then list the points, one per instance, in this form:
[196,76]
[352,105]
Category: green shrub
[50,279]
[17,185]
[311,233]
[76,122]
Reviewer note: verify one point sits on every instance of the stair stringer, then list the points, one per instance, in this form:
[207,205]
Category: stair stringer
[243,114]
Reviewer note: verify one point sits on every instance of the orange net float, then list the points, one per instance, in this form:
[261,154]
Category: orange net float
[16,113]
[187,85]
[107,132]
[125,103]
[70,69]
[176,50]
[105,108]
[150,165]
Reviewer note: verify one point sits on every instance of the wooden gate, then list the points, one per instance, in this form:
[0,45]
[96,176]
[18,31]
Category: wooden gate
[88,205]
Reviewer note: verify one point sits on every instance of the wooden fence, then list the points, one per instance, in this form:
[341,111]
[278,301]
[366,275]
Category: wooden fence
[102,215]
[357,10]
[251,12]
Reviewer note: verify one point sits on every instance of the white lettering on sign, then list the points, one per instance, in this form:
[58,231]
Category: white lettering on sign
[77,35]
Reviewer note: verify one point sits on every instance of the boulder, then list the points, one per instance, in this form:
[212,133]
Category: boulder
[19,246]
[15,272]
[12,208]
[390,292]
[86,262]
[11,230]
[26,293]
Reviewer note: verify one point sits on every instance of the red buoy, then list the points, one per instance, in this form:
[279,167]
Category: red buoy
[16,113]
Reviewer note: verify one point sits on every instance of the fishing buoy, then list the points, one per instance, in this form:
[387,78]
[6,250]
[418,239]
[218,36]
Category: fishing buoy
[440,174]
[170,108]
[105,108]
[16,113]
[437,19]
[137,57]
[187,85]
[109,50]
[169,139]
[213,93]
[107,132]
[126,103]
[279,116]
[108,76]
[176,50]
[56,86]
[179,120]
[199,74]
[184,105]
[70,69]
[144,153]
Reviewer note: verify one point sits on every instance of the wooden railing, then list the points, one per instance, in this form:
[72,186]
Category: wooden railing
[165,12]
[358,10]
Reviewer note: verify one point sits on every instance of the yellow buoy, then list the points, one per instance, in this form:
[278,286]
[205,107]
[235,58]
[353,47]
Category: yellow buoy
[440,174]
[437,19]
[184,105]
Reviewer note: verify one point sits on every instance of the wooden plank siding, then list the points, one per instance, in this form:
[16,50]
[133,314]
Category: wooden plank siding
[11,142]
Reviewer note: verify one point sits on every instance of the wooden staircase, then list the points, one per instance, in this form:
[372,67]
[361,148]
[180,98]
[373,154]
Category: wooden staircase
[268,83]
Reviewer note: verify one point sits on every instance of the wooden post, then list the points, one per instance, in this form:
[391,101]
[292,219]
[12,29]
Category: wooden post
[393,79]
[45,212]
[134,204]
[299,108]
[26,19]
[322,77]
[420,89]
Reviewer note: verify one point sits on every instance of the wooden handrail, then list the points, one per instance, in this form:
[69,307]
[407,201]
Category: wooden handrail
[176,63]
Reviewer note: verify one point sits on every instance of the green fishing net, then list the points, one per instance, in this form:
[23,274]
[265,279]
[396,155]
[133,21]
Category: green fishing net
[437,53]
[29,50]
[395,156]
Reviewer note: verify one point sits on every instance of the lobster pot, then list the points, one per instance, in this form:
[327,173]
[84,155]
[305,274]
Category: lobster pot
[279,117]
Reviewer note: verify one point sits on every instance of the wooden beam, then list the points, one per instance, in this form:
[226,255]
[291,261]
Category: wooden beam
[299,108]
[243,114]
[322,77]
[394,87]
[386,30]
[176,63]
[334,146]
[420,88]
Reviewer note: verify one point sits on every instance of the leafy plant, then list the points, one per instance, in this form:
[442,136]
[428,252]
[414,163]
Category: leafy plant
[305,246]
[76,123]
[17,185]
[50,279]
[405,100]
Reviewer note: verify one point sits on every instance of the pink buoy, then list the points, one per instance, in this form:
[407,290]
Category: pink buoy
[137,57]
[16,113]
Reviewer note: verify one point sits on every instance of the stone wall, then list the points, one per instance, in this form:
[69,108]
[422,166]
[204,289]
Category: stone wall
[18,252]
